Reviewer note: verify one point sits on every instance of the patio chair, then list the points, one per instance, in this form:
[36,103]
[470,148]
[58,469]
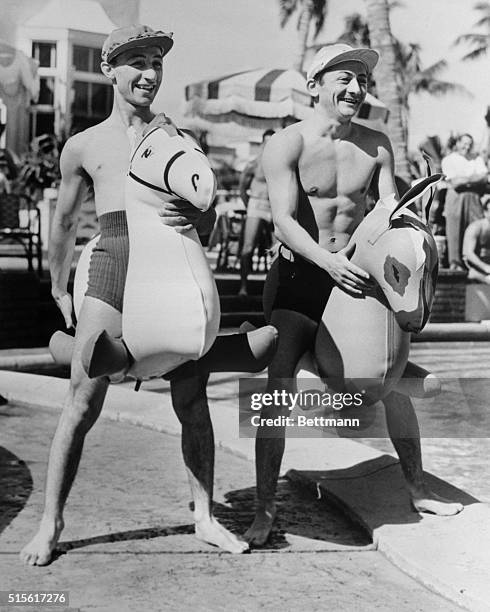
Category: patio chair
[230,229]
[20,224]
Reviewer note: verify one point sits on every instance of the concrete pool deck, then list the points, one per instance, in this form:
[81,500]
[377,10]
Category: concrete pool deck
[450,555]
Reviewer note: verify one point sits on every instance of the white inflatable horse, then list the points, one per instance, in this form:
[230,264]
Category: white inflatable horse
[363,343]
[171,310]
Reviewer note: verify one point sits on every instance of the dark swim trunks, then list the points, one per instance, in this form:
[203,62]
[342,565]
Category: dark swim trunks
[109,260]
[293,283]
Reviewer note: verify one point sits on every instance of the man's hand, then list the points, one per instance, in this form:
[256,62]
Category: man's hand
[347,275]
[65,304]
[180,215]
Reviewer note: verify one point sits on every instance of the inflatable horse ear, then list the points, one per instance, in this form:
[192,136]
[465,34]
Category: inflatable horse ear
[396,247]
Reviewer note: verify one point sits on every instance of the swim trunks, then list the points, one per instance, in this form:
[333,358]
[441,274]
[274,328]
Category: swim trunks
[109,260]
[259,208]
[294,283]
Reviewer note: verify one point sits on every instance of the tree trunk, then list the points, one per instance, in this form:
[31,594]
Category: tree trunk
[378,16]
[303,30]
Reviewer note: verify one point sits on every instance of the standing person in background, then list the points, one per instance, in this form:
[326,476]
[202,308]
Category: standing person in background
[253,192]
[467,178]
[476,247]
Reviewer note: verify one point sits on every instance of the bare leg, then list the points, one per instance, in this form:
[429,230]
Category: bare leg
[81,409]
[191,406]
[405,436]
[296,334]
[251,233]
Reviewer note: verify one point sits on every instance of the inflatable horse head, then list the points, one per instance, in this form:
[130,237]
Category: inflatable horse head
[396,247]
[170,162]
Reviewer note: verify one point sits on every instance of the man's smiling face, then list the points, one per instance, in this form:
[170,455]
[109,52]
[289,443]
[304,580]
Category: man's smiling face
[138,74]
[341,90]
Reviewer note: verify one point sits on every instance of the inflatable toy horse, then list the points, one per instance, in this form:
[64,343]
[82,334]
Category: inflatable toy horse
[171,310]
[363,343]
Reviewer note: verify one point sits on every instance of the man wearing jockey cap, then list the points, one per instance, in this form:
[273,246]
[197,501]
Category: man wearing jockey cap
[98,159]
[318,173]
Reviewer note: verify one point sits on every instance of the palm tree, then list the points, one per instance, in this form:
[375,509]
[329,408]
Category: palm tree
[309,11]
[388,89]
[478,40]
[412,77]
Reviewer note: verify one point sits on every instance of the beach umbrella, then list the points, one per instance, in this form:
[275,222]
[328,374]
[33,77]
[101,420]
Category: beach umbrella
[262,98]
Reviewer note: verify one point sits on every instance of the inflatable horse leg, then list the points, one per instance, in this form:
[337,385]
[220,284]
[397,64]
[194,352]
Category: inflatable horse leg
[103,355]
[242,352]
[418,382]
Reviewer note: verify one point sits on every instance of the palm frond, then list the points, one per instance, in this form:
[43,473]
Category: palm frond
[432,71]
[476,53]
[319,13]
[473,38]
[483,22]
[435,87]
[286,9]
[482,6]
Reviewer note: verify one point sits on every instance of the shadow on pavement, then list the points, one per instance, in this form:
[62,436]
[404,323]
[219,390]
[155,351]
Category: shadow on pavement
[374,493]
[15,485]
[122,536]
[300,513]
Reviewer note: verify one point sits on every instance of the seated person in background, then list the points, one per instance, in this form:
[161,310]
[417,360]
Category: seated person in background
[476,247]
[467,177]
[253,192]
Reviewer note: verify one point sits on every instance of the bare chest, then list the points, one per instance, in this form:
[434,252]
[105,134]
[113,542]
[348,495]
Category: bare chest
[328,169]
[106,159]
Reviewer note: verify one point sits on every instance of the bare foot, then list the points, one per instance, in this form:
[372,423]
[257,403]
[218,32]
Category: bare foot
[210,531]
[427,501]
[243,292]
[261,528]
[40,549]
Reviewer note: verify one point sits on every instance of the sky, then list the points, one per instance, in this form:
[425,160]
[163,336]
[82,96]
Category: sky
[218,37]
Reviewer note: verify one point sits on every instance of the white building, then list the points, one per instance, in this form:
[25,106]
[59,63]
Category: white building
[65,37]
[73,93]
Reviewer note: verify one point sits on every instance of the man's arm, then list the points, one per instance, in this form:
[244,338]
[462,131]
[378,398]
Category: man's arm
[64,225]
[470,246]
[280,160]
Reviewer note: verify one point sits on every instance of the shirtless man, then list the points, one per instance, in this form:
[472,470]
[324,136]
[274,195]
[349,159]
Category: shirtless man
[98,158]
[318,172]
[476,247]
[253,192]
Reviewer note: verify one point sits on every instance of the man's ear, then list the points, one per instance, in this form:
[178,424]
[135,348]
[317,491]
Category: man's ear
[312,87]
[108,71]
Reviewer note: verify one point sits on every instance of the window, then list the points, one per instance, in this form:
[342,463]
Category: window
[41,123]
[91,104]
[44,53]
[46,90]
[86,59]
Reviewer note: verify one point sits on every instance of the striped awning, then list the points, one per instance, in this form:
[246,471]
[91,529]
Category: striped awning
[262,98]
